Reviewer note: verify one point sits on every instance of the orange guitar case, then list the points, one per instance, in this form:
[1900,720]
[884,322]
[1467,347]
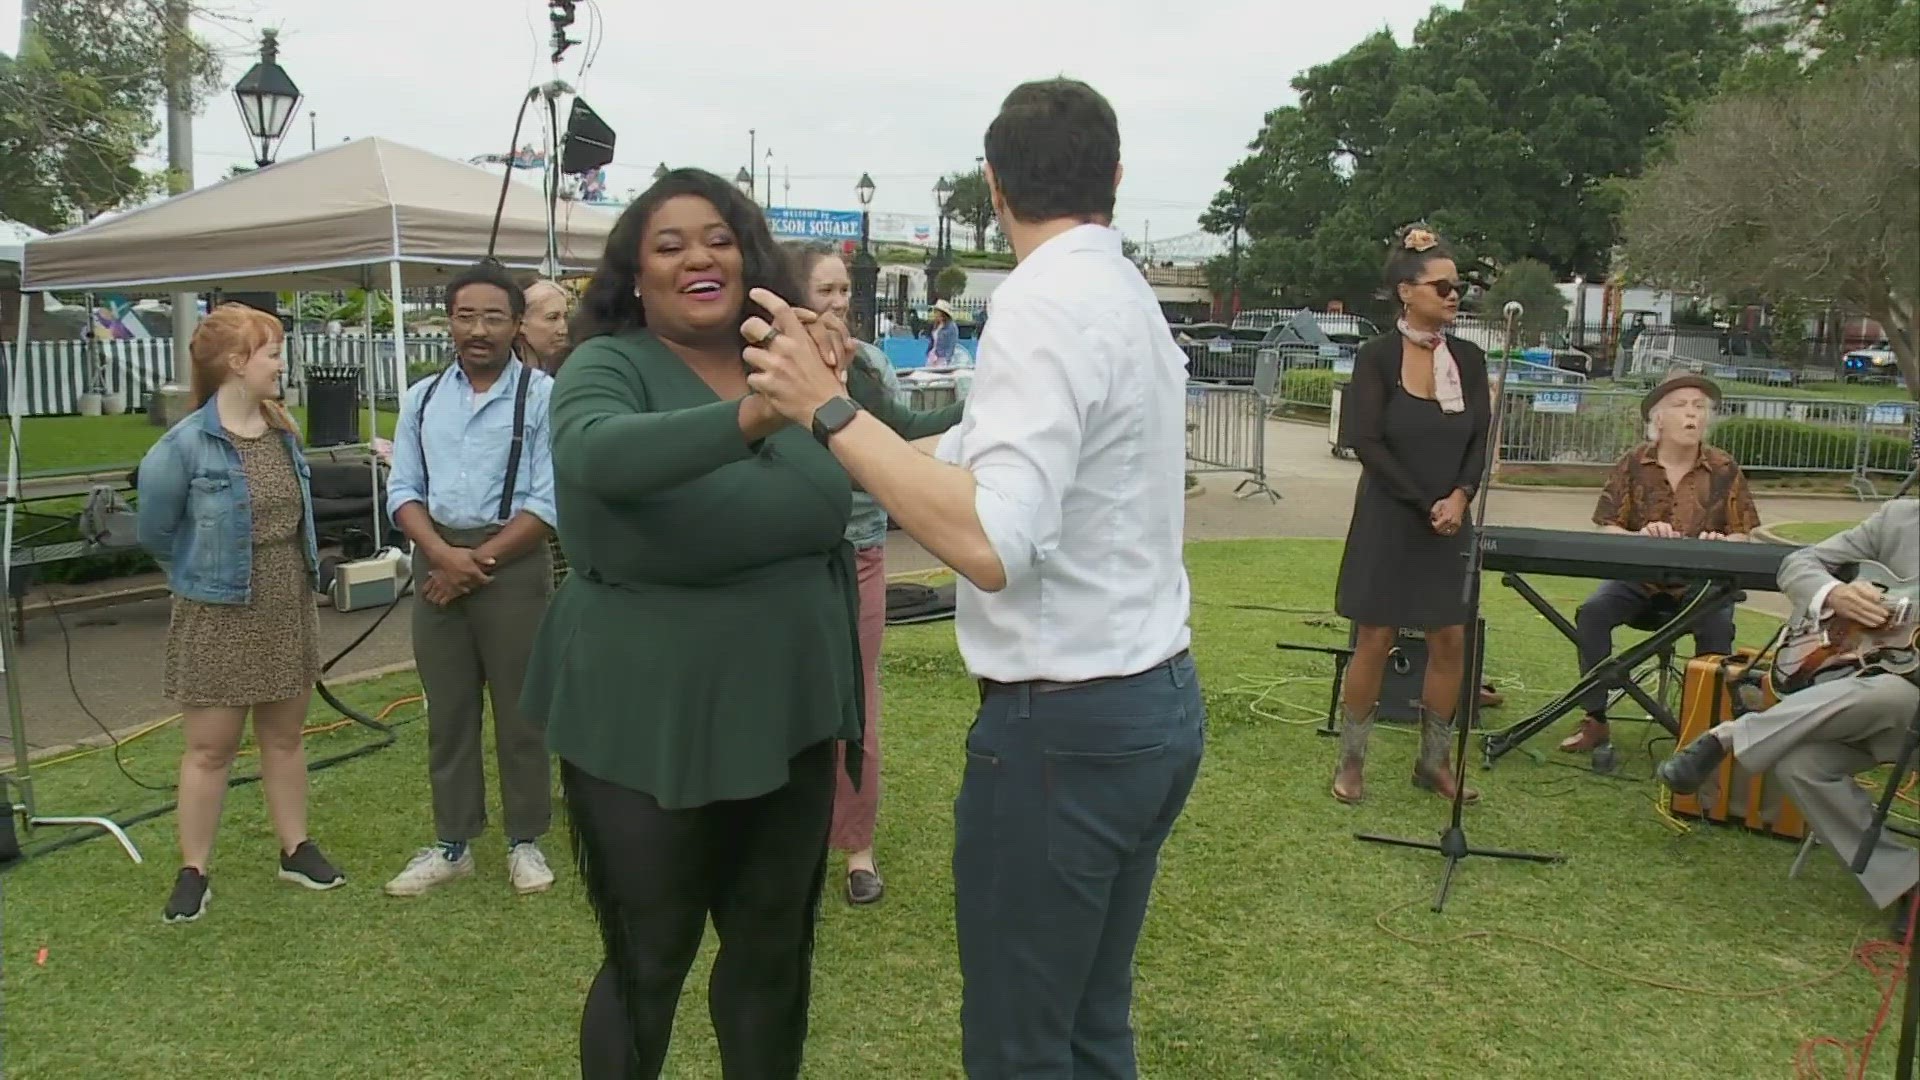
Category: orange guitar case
[1734,796]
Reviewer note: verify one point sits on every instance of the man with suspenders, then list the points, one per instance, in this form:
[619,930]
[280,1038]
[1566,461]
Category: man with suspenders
[472,488]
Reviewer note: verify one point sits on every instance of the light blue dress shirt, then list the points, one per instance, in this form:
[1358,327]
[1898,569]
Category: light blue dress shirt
[468,436]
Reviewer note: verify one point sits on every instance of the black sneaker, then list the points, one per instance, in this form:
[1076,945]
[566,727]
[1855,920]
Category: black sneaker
[307,867]
[1684,772]
[190,896]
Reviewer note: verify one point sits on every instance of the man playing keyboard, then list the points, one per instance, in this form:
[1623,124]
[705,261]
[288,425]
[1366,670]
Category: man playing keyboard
[1672,485]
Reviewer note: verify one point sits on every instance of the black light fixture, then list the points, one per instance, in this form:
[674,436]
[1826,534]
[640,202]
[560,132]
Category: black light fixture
[268,100]
[744,181]
[659,172]
[866,268]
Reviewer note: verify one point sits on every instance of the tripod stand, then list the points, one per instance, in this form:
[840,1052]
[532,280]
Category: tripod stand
[1453,839]
[1910,1012]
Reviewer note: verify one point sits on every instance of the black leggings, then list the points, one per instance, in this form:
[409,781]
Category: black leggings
[655,875]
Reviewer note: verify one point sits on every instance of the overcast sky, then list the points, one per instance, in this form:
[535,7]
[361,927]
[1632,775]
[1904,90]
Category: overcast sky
[832,89]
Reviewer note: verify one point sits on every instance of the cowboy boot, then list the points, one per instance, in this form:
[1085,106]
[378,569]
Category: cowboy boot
[1349,781]
[1433,770]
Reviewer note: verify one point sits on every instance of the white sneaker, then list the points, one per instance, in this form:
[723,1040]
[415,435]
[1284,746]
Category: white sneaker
[428,868]
[527,869]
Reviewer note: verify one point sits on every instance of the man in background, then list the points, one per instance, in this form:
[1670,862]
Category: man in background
[472,487]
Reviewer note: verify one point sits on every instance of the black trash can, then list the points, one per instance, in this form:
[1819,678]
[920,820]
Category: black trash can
[333,406]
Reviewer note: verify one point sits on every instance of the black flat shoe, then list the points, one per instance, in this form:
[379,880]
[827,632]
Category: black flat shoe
[1684,772]
[864,887]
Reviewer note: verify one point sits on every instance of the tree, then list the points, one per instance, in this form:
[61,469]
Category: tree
[1504,125]
[1532,284]
[1810,192]
[952,281]
[77,107]
[1822,37]
[971,204]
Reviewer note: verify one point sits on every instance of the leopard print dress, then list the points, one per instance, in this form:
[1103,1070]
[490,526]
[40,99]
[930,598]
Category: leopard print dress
[267,649]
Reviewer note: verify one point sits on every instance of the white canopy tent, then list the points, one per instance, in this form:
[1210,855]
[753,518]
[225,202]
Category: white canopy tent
[13,240]
[365,214]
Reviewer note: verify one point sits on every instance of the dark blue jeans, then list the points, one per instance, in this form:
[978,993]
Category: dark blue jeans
[1069,793]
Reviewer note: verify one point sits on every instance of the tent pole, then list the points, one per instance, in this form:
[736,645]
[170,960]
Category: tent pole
[16,715]
[373,397]
[399,383]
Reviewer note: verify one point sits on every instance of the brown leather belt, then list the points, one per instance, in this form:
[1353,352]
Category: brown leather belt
[1047,686]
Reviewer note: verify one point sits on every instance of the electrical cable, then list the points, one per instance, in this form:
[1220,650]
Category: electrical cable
[388,736]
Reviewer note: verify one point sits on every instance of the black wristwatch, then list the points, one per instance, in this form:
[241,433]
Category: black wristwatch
[834,415]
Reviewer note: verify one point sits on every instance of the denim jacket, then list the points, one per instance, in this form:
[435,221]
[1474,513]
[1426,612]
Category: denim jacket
[194,515]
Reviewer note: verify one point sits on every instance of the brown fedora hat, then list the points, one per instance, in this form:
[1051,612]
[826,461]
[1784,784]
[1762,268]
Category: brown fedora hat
[1681,380]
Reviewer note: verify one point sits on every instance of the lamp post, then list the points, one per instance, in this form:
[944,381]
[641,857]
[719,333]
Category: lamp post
[942,192]
[866,268]
[268,100]
[744,181]
[659,172]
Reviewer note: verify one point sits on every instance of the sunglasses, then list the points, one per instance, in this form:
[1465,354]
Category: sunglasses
[1444,289]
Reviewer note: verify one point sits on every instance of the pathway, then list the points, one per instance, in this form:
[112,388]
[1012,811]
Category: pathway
[116,654]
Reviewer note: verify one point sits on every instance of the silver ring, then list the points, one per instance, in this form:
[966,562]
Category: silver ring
[772,332]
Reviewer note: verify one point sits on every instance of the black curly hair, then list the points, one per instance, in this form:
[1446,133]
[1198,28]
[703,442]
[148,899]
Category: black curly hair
[609,306]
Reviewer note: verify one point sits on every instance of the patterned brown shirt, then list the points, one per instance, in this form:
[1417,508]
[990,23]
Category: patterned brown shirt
[1714,497]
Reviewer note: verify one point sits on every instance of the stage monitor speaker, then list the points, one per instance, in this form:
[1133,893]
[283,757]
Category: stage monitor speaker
[1401,687]
[589,142]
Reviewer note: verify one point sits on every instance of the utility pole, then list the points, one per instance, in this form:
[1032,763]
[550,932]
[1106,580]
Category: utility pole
[753,156]
[180,161]
[313,130]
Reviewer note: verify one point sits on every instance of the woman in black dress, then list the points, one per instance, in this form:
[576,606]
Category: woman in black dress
[1416,415]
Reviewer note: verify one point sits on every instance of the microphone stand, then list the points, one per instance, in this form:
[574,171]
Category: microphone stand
[1453,839]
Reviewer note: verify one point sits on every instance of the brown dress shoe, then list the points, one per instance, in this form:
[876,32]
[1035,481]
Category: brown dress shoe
[1593,732]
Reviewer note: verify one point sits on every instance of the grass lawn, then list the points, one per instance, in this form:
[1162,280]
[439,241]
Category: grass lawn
[66,444]
[1277,946]
[1809,532]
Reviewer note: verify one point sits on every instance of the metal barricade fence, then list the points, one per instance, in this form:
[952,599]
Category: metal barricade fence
[1889,445]
[1227,429]
[1580,426]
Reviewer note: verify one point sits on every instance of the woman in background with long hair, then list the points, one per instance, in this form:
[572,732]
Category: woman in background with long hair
[828,289]
[225,507]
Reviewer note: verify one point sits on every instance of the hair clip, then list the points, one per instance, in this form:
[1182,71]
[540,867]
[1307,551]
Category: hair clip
[1419,239]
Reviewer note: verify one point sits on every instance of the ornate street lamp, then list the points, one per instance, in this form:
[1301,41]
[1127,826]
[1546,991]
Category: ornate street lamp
[866,268]
[744,181]
[268,100]
[942,192]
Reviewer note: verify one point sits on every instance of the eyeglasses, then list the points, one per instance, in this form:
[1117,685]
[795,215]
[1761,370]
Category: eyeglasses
[491,320]
[1444,289]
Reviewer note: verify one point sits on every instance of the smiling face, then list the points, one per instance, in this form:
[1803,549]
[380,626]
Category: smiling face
[260,370]
[829,289]
[690,281]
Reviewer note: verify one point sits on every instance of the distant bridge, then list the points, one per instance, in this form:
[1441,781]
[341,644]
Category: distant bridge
[1189,248]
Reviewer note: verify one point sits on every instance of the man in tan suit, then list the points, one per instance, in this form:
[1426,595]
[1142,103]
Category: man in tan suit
[1815,740]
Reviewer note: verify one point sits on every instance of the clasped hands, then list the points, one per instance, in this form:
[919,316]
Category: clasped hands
[800,359]
[1446,515]
[456,571]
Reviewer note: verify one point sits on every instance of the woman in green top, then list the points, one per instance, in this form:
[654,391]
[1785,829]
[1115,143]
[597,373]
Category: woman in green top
[699,663]
[856,806]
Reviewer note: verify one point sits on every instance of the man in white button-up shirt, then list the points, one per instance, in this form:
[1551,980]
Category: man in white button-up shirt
[1059,499]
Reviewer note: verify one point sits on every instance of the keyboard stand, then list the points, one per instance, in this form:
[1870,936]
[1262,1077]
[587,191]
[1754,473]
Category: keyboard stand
[1656,709]
[1613,673]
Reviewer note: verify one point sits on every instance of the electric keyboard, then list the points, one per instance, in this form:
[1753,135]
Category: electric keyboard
[1650,559]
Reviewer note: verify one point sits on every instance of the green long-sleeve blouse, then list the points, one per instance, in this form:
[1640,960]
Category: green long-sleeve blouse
[707,631]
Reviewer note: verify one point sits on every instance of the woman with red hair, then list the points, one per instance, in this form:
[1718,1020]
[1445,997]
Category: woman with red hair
[225,507]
